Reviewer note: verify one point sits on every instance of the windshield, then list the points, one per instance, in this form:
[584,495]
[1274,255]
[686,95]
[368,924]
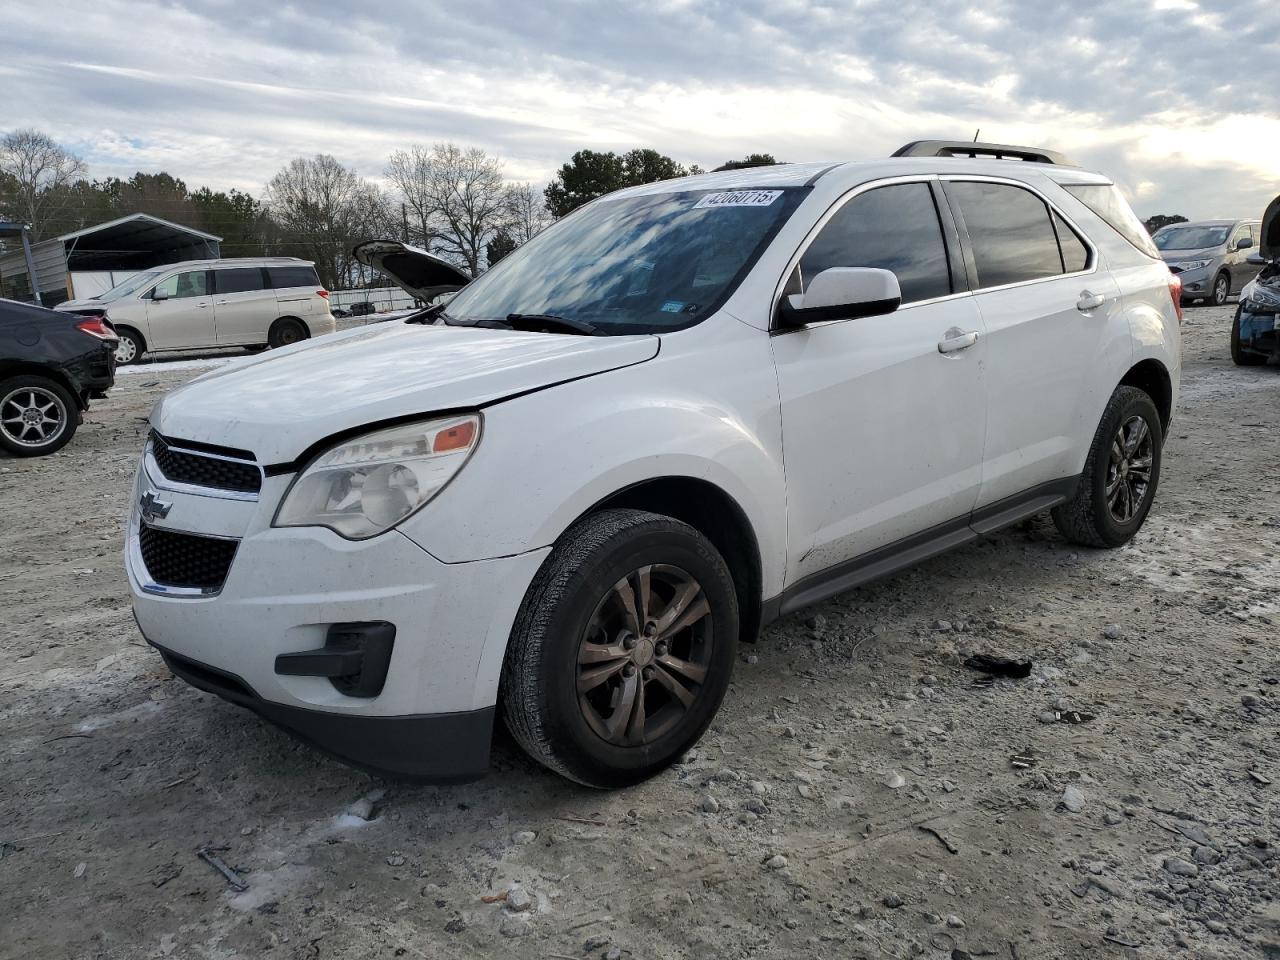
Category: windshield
[643,264]
[133,284]
[1190,238]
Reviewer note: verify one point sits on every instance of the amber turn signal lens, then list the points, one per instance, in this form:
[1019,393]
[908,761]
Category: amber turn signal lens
[455,438]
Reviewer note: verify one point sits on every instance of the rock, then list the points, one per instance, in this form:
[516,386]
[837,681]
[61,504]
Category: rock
[805,791]
[524,836]
[816,623]
[81,867]
[1048,716]
[615,953]
[1073,798]
[752,659]
[895,780]
[776,862]
[515,925]
[362,809]
[1181,868]
[456,925]
[395,860]
[1249,700]
[519,899]
[898,730]
[892,901]
[1216,926]
[759,788]
[710,805]
[954,922]
[1096,867]
[1205,855]
[942,626]
[1112,631]
[597,942]
[1111,818]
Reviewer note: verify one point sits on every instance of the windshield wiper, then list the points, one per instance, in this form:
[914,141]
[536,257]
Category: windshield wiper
[541,321]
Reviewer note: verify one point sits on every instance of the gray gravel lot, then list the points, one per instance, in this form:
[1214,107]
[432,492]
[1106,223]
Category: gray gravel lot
[855,798]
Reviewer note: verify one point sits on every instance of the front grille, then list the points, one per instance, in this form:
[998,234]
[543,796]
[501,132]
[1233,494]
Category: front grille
[185,559]
[203,470]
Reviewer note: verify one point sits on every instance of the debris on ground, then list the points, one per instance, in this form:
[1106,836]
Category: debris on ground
[208,855]
[999,666]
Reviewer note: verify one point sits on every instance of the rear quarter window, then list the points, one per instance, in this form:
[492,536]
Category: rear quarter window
[293,277]
[1108,203]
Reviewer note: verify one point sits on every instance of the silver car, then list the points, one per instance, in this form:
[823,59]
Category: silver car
[1211,256]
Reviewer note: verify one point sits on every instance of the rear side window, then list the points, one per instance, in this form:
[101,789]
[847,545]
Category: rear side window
[1107,202]
[293,277]
[1075,255]
[894,228]
[1010,231]
[239,280]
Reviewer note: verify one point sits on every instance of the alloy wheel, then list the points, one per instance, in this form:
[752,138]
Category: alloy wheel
[1129,470]
[1221,289]
[32,416]
[644,657]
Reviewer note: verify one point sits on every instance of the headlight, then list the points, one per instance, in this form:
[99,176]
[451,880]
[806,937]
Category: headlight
[365,486]
[1193,264]
[1260,299]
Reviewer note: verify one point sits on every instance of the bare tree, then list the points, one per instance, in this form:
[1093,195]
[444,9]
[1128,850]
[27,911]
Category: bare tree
[457,195]
[527,213]
[322,208]
[36,175]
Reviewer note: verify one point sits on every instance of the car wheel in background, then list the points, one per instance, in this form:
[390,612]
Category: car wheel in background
[37,415]
[1221,289]
[1239,355]
[1120,477]
[130,348]
[286,331]
[622,650]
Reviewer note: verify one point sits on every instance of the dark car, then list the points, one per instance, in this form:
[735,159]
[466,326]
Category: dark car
[51,365]
[1255,330]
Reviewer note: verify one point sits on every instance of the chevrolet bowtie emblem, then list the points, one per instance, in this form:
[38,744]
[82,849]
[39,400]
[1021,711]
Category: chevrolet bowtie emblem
[153,508]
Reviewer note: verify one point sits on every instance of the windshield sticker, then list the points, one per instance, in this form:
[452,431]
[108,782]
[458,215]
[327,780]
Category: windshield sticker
[738,198]
[673,306]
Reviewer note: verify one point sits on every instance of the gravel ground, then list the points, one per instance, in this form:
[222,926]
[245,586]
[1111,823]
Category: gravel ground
[855,798]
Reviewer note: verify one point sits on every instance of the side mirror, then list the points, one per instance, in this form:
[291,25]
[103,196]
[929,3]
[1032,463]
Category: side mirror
[1257,259]
[158,294]
[1244,243]
[842,293]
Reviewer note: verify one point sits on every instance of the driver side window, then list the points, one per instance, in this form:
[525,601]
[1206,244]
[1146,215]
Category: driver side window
[894,228]
[182,285]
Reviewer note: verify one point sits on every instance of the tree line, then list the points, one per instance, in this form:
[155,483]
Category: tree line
[452,200]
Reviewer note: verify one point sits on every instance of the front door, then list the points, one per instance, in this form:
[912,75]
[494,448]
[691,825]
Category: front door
[180,312]
[882,430]
[245,305]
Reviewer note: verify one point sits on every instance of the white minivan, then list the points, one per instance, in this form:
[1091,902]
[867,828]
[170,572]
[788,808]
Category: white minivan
[563,497]
[242,302]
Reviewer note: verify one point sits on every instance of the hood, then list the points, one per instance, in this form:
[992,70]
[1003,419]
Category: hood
[1269,246]
[421,274]
[85,304]
[1206,253]
[280,403]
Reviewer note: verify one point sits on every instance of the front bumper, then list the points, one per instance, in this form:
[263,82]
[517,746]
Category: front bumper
[1196,284]
[1258,332]
[284,590]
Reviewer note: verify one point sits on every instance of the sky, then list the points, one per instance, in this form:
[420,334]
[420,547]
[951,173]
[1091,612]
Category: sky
[1177,100]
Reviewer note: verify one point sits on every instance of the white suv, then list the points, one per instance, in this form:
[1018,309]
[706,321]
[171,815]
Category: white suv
[235,302]
[684,410]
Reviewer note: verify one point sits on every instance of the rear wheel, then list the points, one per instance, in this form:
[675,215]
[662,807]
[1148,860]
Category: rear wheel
[130,347]
[37,416]
[1241,356]
[1120,476]
[286,331]
[623,648]
[1221,289]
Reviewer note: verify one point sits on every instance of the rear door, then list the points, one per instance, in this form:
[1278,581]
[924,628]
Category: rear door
[180,312]
[245,306]
[1047,305]
[296,289]
[882,430]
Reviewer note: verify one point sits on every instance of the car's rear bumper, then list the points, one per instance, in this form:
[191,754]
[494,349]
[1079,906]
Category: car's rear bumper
[435,748]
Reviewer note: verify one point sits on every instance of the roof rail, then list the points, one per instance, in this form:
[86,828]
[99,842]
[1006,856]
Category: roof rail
[998,151]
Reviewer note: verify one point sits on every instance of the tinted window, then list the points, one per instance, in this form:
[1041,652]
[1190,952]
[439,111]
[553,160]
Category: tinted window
[894,228]
[240,280]
[1010,231]
[1109,204]
[1075,255]
[293,277]
[182,285]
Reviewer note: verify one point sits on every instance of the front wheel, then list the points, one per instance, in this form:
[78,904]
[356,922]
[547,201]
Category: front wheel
[129,348]
[1241,356]
[1221,289]
[622,650]
[1120,476]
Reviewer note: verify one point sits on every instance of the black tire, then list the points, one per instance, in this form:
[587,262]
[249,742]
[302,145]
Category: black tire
[41,395]
[1239,355]
[544,669]
[287,331]
[131,346]
[1221,289]
[1089,518]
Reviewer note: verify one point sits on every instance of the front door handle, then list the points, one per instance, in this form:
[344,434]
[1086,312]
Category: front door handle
[957,339]
[1089,301]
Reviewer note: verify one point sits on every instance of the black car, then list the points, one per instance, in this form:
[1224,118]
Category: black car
[51,365]
[1255,329]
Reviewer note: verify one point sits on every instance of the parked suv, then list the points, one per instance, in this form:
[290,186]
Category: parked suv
[1211,257]
[684,410]
[248,302]
[1255,329]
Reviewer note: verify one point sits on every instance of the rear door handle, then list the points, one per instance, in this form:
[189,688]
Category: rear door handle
[1089,301]
[957,340]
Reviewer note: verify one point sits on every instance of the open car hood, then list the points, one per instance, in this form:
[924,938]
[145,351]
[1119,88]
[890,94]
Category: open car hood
[1269,244]
[421,274]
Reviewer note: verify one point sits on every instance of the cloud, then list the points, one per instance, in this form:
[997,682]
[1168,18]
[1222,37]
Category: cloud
[1177,101]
